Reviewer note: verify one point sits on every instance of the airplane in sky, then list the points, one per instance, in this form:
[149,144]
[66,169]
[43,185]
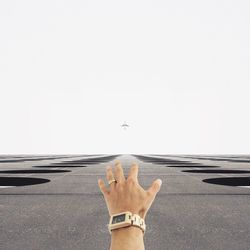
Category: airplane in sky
[125,125]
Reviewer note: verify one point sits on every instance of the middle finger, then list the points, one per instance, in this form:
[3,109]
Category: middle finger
[119,175]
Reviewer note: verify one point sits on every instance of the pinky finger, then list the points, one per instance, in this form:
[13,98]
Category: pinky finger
[102,187]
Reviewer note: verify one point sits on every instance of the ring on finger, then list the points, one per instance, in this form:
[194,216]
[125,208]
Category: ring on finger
[111,181]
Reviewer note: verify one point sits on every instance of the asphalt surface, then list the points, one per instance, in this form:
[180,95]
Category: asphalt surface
[204,201]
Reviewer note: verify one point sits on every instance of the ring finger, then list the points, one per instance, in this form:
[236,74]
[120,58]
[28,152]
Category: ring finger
[110,176]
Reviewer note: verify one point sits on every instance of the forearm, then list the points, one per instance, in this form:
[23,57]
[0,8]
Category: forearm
[127,238]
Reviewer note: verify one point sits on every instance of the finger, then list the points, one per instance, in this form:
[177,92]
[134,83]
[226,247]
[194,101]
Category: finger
[110,176]
[133,172]
[155,187]
[119,175]
[102,187]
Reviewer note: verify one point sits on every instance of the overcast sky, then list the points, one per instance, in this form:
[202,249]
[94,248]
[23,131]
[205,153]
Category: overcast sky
[178,72]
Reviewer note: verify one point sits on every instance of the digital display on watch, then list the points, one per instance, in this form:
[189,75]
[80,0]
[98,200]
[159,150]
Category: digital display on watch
[118,218]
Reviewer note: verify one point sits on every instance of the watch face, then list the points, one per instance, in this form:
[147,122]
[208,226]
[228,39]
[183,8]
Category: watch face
[118,218]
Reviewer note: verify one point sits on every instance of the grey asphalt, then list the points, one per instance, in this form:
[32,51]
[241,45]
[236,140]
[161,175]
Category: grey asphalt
[69,211]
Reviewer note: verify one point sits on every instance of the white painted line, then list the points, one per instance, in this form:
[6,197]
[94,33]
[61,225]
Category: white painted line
[244,186]
[7,186]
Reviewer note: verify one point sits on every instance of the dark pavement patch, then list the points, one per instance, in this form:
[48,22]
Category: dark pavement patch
[219,171]
[21,181]
[33,171]
[230,181]
[58,166]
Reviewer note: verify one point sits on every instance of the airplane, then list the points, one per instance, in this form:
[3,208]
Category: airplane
[125,125]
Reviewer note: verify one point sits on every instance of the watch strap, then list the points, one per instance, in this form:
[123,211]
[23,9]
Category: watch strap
[138,222]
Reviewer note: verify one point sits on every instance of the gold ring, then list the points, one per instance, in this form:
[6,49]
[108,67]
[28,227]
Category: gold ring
[112,181]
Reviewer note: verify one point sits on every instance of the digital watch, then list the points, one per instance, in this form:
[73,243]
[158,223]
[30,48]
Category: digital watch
[126,219]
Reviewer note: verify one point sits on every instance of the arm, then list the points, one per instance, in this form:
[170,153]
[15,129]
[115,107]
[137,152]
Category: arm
[127,195]
[127,238]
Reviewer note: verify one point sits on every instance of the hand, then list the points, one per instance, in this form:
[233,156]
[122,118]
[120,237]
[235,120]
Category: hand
[127,194]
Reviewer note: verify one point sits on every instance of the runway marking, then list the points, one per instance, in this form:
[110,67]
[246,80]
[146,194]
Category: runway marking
[7,186]
[244,186]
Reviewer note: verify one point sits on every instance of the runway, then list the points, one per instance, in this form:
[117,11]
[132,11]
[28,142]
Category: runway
[54,202]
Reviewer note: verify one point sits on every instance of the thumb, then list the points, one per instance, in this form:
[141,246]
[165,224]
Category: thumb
[155,187]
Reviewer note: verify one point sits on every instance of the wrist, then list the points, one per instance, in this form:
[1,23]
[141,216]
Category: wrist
[129,231]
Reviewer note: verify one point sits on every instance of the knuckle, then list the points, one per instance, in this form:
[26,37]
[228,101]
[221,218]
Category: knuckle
[134,167]
[119,187]
[117,168]
[130,180]
[149,193]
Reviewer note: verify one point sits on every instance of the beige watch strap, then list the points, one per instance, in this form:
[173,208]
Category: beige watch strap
[139,222]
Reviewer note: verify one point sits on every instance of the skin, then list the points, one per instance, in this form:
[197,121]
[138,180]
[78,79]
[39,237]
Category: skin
[127,195]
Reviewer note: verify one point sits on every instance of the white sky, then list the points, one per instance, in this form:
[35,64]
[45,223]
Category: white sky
[71,72]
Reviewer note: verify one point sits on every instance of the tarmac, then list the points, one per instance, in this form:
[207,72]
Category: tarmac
[54,201]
